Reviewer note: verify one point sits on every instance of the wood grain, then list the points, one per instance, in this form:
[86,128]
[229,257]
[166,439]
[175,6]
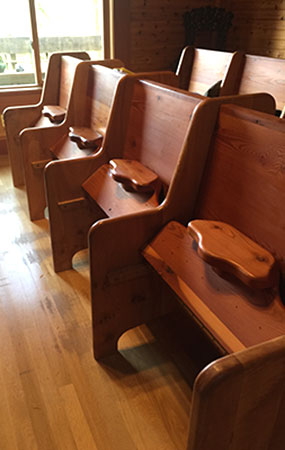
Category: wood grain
[54,113]
[133,175]
[237,316]
[230,251]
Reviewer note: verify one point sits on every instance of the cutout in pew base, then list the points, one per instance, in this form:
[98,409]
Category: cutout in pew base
[85,138]
[134,176]
[55,113]
[230,251]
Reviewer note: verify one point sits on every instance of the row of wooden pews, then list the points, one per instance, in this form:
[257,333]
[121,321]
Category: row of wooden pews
[179,198]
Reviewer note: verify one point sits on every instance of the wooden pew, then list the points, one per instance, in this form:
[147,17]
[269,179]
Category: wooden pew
[200,69]
[82,132]
[243,186]
[148,123]
[55,93]
[262,74]
[90,99]
[118,272]
[238,401]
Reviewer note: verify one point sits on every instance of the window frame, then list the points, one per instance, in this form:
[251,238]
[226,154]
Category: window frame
[106,43]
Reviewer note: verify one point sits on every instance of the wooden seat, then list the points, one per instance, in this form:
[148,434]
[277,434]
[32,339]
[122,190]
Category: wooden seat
[243,186]
[262,74]
[80,134]
[200,69]
[56,92]
[140,129]
[238,401]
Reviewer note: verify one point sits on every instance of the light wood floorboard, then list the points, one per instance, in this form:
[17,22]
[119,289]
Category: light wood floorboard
[54,395]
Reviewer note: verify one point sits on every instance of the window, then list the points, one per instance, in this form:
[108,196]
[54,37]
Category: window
[33,29]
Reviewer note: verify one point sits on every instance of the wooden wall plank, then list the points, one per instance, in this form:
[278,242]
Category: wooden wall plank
[258,27]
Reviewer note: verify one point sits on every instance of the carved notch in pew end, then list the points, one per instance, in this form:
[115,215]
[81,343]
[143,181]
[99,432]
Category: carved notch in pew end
[231,252]
[85,138]
[55,113]
[134,176]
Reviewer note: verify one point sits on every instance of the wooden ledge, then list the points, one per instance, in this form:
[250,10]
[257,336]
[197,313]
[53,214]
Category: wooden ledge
[56,114]
[133,175]
[85,137]
[230,251]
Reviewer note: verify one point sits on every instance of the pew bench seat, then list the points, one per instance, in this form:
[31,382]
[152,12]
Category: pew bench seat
[236,315]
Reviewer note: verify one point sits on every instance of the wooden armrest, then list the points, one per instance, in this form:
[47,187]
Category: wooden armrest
[85,137]
[230,251]
[133,175]
[55,113]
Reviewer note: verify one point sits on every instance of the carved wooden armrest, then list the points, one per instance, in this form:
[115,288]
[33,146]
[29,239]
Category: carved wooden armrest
[133,175]
[85,137]
[55,113]
[232,252]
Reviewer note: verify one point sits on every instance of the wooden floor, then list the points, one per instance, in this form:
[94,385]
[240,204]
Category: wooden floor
[54,395]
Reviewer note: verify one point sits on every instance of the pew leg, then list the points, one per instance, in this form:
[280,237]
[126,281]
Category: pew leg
[16,161]
[122,303]
[68,231]
[35,192]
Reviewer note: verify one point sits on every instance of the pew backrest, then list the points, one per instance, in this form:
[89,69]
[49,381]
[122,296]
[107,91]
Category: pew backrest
[248,158]
[263,74]
[200,69]
[59,77]
[156,124]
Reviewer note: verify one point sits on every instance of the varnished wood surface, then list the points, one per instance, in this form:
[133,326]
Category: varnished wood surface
[54,112]
[209,66]
[240,401]
[263,74]
[112,196]
[236,315]
[133,175]
[85,137]
[230,251]
[53,394]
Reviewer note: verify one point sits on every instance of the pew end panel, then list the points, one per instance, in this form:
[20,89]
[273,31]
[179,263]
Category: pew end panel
[122,285]
[36,144]
[252,416]
[16,119]
[70,214]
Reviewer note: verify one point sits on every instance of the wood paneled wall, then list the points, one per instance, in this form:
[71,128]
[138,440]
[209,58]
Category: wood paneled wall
[151,33]
[156,31]
[258,27]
